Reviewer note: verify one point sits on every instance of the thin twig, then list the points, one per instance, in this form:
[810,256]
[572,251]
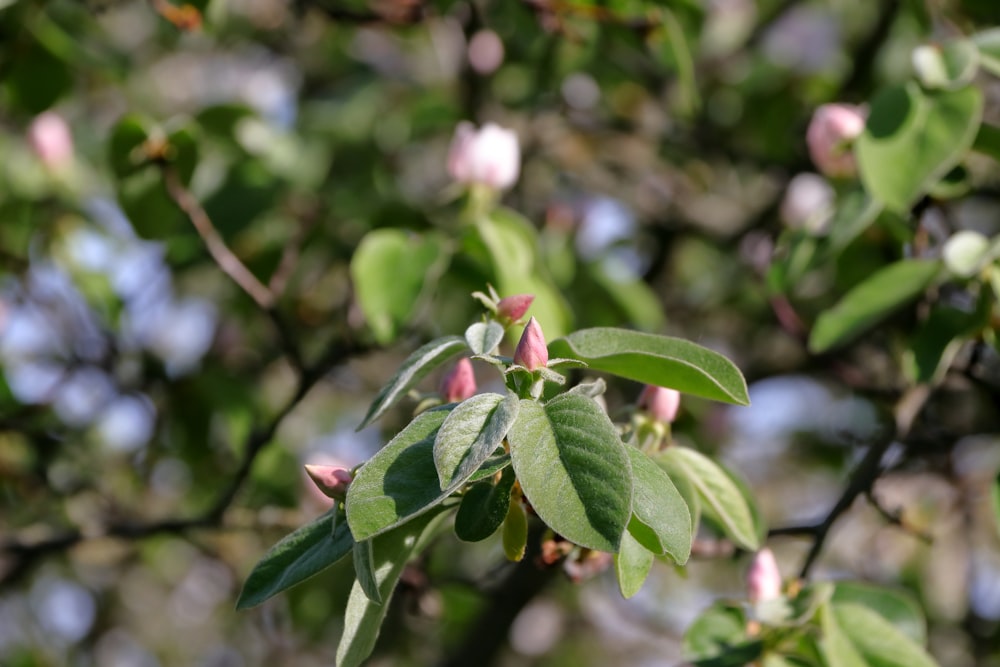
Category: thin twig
[223,256]
[895,517]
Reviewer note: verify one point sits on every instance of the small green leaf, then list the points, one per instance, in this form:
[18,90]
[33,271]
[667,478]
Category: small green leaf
[363,618]
[988,139]
[470,434]
[399,482]
[684,487]
[718,637]
[484,508]
[947,67]
[658,360]
[877,641]
[872,301]
[298,556]
[515,532]
[835,647]
[895,606]
[414,369]
[483,337]
[929,133]
[632,565]
[491,466]
[573,469]
[663,518]
[938,339]
[988,43]
[719,494]
[390,270]
[364,570]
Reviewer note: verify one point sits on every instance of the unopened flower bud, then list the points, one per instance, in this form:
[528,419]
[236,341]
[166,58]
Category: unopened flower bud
[513,308]
[331,480]
[808,203]
[832,130]
[661,403]
[50,138]
[459,383]
[763,577]
[531,351]
[490,156]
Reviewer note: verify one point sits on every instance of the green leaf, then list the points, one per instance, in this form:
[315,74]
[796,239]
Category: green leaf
[515,532]
[391,270]
[718,638]
[988,139]
[128,134]
[684,487]
[484,508]
[364,570]
[856,212]
[870,302]
[661,520]
[877,640]
[363,618]
[939,338]
[895,606]
[929,133]
[573,469]
[414,369]
[632,565]
[719,494]
[399,482]
[835,647]
[949,66]
[483,337]
[298,556]
[658,360]
[996,501]
[470,434]
[988,42]
[491,466]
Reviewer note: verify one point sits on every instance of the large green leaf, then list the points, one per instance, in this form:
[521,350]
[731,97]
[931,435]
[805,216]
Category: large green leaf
[835,647]
[364,570]
[718,493]
[414,369]
[470,434]
[573,469]
[913,138]
[391,269]
[632,565]
[658,360]
[363,618]
[988,43]
[897,607]
[298,556]
[661,520]
[399,482]
[879,642]
[484,508]
[872,301]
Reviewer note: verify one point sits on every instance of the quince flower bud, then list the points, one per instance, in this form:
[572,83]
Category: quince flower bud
[831,131]
[513,308]
[763,577]
[531,351]
[331,480]
[459,383]
[490,156]
[661,403]
[51,140]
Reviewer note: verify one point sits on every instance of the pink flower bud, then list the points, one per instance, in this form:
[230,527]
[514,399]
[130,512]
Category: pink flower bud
[531,351]
[763,577]
[513,308]
[331,480]
[661,403]
[831,131]
[809,203]
[459,383]
[490,156]
[51,140]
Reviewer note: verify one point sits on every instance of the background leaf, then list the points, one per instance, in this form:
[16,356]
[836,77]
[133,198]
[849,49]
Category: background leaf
[658,360]
[660,509]
[573,469]
[896,606]
[632,565]
[877,640]
[483,337]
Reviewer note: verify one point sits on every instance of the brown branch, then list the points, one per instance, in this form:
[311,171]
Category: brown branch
[895,517]
[223,256]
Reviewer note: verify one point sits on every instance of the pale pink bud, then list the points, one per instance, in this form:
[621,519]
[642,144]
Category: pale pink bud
[490,156]
[331,480]
[513,308]
[485,52]
[531,351]
[51,140]
[832,130]
[763,577]
[459,383]
[661,403]
[808,203]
